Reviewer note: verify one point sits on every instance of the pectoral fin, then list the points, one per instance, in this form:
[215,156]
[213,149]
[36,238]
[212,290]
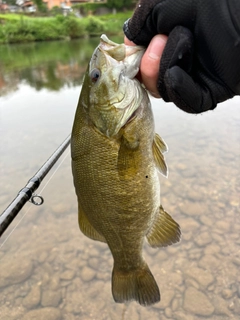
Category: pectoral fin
[87,229]
[165,231]
[159,147]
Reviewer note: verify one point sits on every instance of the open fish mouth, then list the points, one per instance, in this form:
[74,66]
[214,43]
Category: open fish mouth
[115,94]
[129,55]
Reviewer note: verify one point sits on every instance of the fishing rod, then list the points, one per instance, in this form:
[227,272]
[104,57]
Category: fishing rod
[27,193]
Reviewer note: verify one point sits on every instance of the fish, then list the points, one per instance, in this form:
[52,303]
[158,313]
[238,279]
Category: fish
[116,160]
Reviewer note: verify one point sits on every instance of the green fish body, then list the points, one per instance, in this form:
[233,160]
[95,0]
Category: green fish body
[116,159]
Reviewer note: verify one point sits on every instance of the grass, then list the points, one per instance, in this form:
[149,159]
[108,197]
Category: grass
[20,28]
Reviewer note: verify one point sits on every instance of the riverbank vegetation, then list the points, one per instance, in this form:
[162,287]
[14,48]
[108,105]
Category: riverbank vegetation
[21,28]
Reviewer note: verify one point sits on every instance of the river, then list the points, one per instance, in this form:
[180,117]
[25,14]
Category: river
[48,269]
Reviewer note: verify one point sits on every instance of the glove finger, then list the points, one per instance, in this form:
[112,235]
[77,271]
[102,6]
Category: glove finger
[185,93]
[177,52]
[158,16]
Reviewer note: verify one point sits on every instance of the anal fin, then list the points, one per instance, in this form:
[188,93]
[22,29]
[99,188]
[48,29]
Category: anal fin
[165,231]
[87,229]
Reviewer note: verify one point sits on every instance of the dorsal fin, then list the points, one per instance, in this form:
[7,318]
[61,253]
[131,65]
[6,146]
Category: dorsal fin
[161,143]
[159,147]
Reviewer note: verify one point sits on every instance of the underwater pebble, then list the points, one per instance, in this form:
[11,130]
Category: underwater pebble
[168,313]
[238,290]
[175,304]
[131,313]
[189,282]
[60,208]
[54,282]
[180,315]
[74,302]
[95,290]
[33,298]
[67,275]
[197,302]
[222,227]
[234,203]
[176,278]
[43,314]
[87,274]
[181,166]
[221,307]
[206,220]
[68,316]
[193,209]
[188,224]
[12,272]
[208,261]
[105,276]
[236,308]
[236,261]
[203,277]
[203,239]
[166,298]
[212,249]
[51,298]
[93,263]
[227,294]
[42,256]
[194,195]
[93,252]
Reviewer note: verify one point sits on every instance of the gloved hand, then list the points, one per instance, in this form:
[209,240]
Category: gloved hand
[200,65]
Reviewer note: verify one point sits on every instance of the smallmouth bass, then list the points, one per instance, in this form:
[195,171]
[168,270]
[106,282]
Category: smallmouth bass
[116,157]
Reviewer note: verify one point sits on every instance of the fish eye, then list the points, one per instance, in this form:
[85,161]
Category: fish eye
[95,75]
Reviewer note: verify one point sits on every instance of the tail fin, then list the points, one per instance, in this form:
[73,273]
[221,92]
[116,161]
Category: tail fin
[138,284]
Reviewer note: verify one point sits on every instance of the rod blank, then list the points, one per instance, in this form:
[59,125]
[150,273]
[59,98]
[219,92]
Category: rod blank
[26,193]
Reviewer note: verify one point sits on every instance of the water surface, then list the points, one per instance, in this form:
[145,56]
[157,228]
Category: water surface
[47,267]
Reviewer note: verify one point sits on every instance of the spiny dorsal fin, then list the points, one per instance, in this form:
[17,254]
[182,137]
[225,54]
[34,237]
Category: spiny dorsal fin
[165,231]
[159,147]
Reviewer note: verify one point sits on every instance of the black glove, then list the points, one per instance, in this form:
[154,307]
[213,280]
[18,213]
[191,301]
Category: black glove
[200,65]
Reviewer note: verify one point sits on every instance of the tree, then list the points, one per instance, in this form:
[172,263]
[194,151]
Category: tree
[120,4]
[40,5]
[10,2]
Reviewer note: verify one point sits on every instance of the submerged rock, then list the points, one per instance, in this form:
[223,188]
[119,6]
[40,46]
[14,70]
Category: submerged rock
[43,314]
[51,298]
[87,274]
[197,302]
[13,271]
[203,277]
[33,298]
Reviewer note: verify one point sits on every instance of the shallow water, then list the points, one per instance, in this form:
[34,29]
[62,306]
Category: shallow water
[49,270]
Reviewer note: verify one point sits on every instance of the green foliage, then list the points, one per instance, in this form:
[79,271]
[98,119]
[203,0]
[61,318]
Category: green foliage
[85,8]
[40,5]
[56,11]
[21,28]
[11,2]
[73,27]
[94,26]
[120,4]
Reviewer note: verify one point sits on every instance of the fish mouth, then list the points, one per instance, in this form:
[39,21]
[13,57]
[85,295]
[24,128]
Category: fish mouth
[118,64]
[130,56]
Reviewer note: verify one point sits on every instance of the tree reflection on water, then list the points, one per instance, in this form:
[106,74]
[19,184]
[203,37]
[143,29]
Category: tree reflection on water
[50,65]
